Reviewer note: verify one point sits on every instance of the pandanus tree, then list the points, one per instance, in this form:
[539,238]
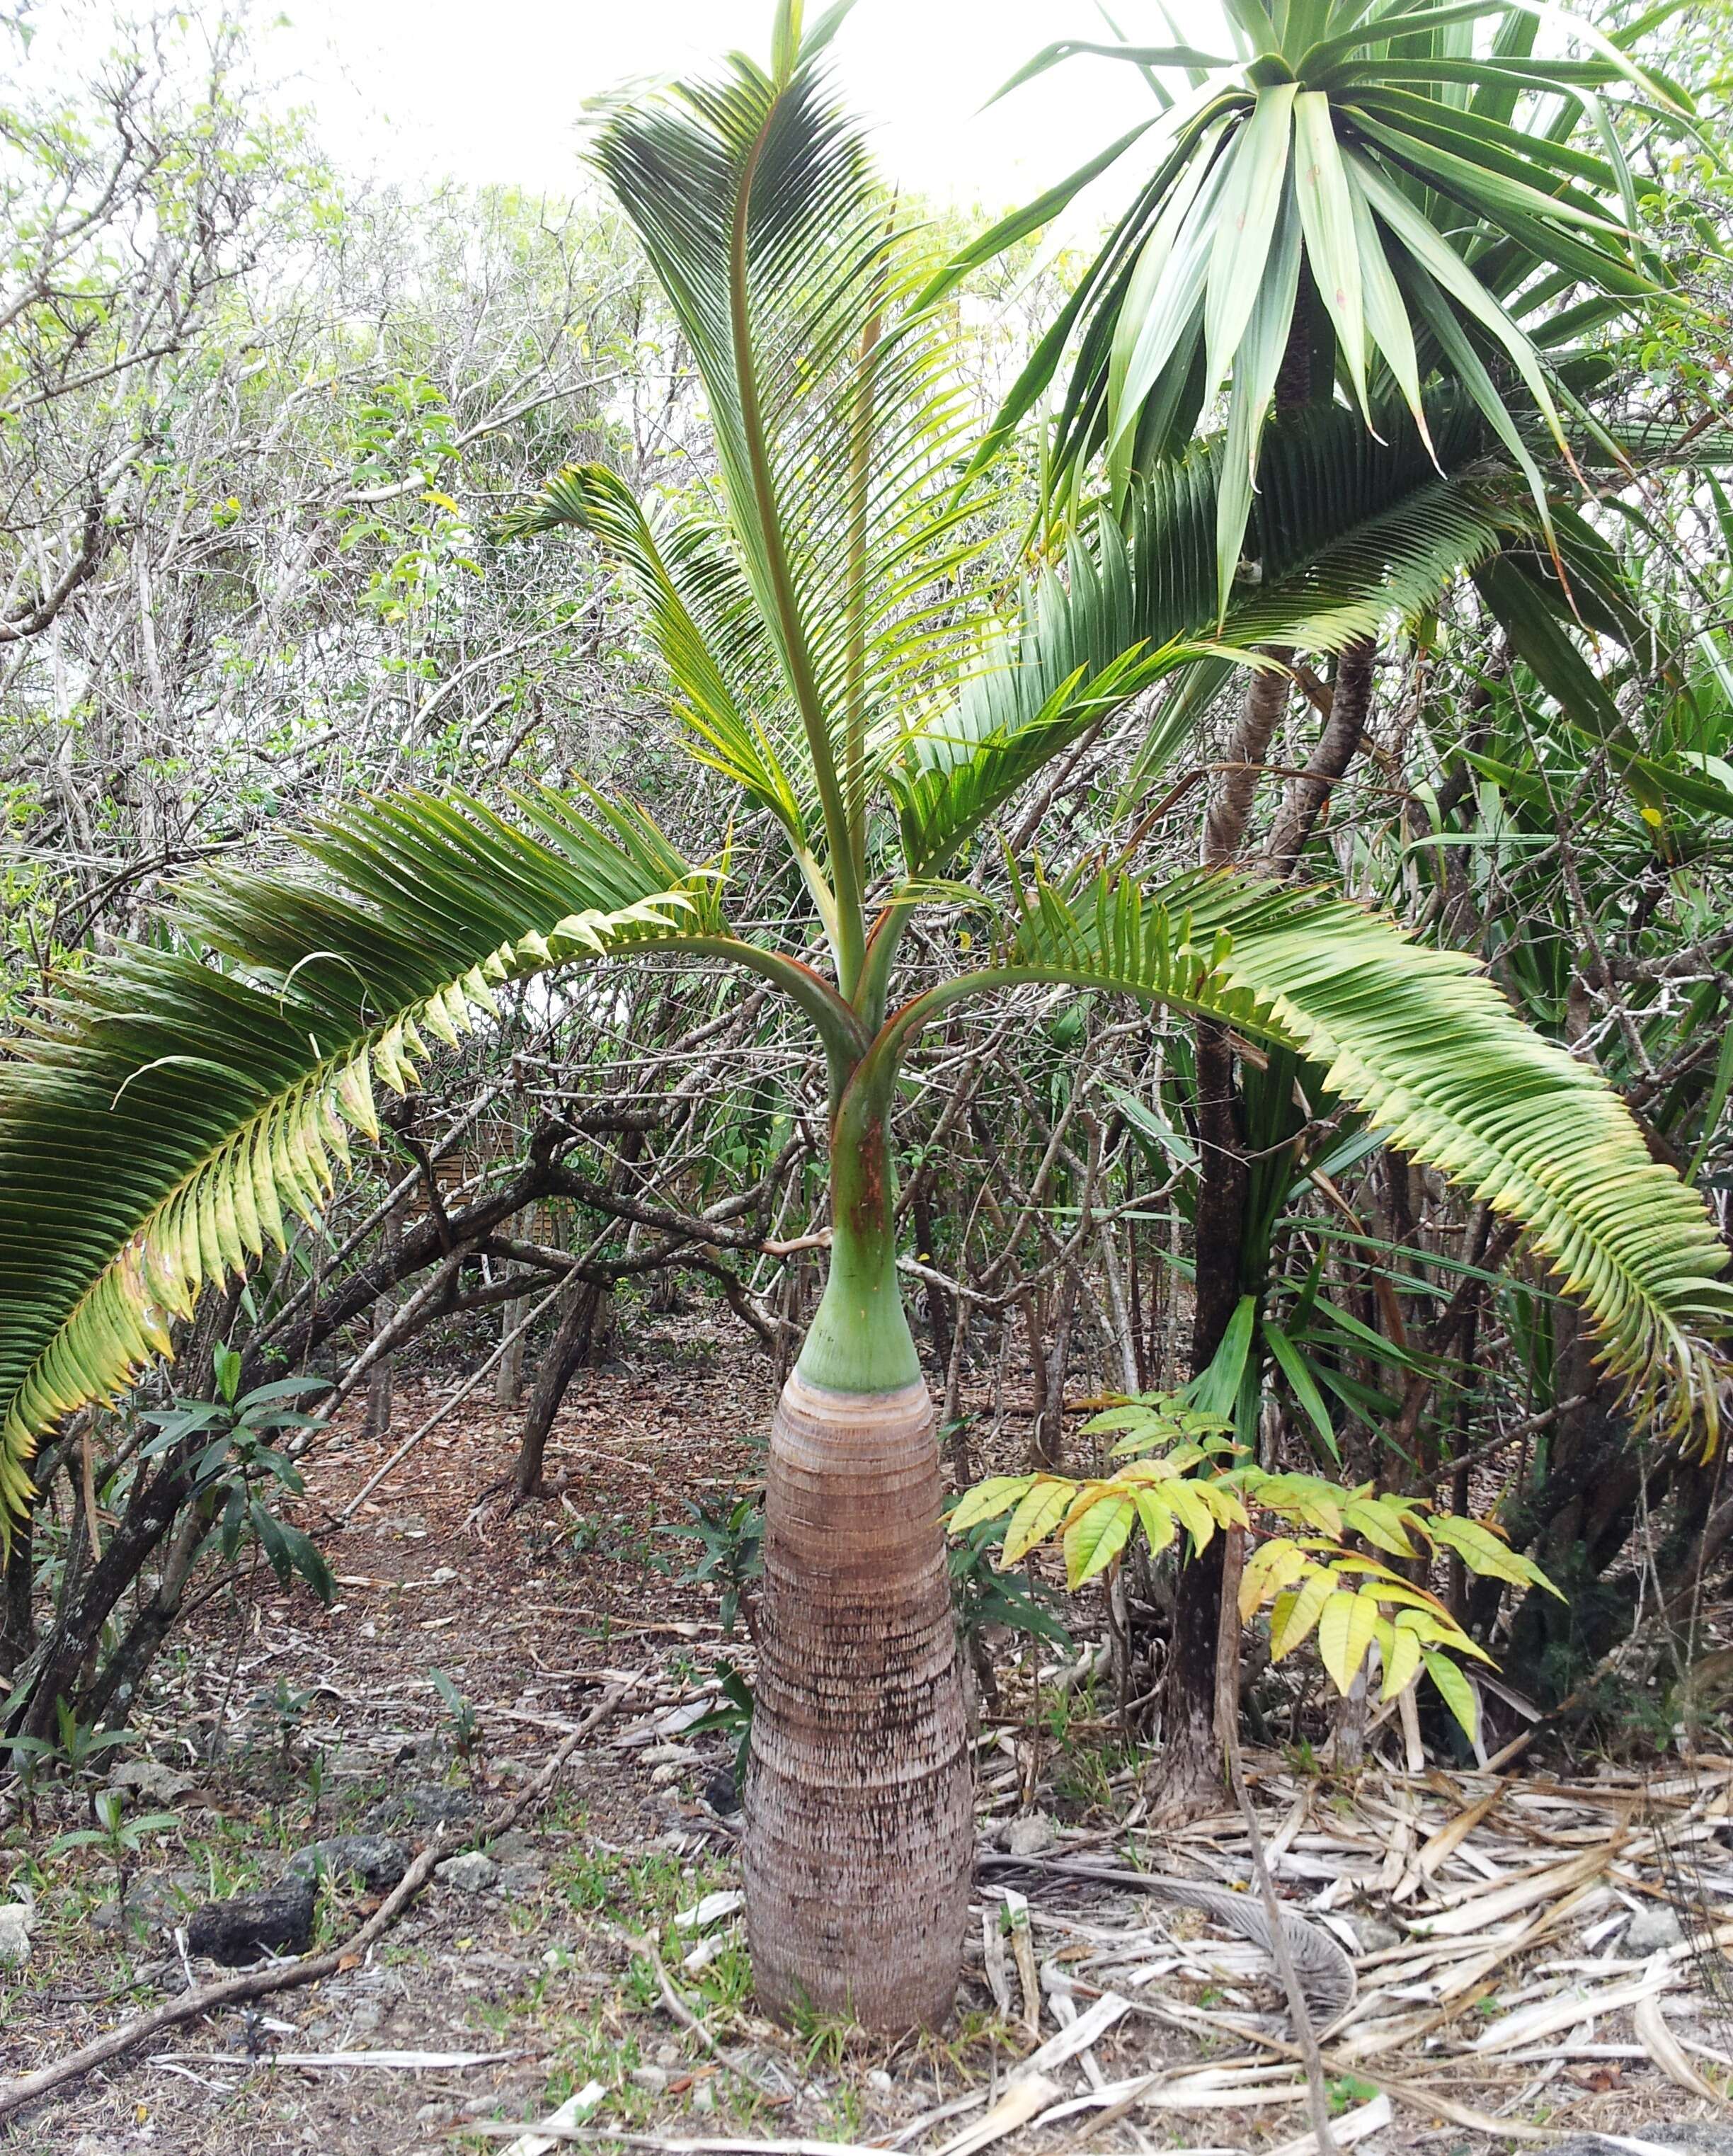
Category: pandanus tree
[835,656]
[1356,198]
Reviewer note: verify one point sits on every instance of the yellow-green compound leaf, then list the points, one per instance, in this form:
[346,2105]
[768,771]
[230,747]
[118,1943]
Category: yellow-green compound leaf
[987,1500]
[1483,1551]
[1380,1522]
[1157,1515]
[1036,1516]
[1292,1622]
[1269,1568]
[1456,1691]
[1190,1510]
[1303,1497]
[1346,1629]
[1224,1502]
[1093,1541]
[1401,1659]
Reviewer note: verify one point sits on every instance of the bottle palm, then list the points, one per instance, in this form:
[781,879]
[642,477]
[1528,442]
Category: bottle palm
[827,650]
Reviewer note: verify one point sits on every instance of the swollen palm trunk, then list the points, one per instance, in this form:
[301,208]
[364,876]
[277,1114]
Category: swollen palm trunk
[859,1802]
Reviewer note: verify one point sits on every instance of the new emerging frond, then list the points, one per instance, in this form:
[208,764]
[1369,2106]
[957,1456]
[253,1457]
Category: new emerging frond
[834,406]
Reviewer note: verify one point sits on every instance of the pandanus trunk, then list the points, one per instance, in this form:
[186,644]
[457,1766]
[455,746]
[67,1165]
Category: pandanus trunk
[860,1811]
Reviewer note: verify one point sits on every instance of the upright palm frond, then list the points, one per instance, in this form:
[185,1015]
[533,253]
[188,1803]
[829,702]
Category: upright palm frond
[704,618]
[1426,1047]
[833,407]
[1350,533]
[174,1110]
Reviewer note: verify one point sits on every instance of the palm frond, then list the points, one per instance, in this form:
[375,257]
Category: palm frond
[1428,1049]
[703,620]
[179,1104]
[833,404]
[1348,532]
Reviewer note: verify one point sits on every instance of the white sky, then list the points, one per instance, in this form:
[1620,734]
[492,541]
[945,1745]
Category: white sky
[490,89]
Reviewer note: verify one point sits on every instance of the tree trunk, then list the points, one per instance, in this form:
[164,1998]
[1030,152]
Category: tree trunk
[858,1797]
[1191,1760]
[17,1627]
[509,1377]
[1190,1765]
[940,1315]
[1307,797]
[859,1806]
[581,1317]
[580,1302]
[379,1383]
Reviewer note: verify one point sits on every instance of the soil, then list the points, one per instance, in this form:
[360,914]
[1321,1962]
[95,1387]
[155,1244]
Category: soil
[296,1722]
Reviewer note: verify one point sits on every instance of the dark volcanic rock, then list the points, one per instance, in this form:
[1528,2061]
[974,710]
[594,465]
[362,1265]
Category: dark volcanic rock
[423,1803]
[241,1929]
[379,1860]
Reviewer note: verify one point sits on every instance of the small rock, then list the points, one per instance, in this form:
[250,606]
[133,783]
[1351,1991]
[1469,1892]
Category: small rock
[424,1803]
[1652,1929]
[513,1846]
[668,2054]
[669,1755]
[517,1880]
[240,1929]
[378,1860]
[704,2096]
[145,1778]
[14,1935]
[1374,1934]
[1031,1836]
[879,2080]
[471,1873]
[721,1792]
[653,2078]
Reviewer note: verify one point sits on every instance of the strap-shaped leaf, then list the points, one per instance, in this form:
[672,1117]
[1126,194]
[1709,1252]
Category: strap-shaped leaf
[1355,110]
[181,1104]
[1349,533]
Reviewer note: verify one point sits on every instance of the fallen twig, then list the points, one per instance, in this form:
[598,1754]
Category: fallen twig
[616,2137]
[305,2062]
[287,1975]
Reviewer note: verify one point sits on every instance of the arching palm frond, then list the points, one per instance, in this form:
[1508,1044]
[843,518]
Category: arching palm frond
[1350,534]
[174,1110]
[704,618]
[1428,1048]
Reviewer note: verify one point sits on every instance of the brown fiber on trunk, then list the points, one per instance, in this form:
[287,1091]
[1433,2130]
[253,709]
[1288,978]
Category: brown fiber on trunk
[859,1802]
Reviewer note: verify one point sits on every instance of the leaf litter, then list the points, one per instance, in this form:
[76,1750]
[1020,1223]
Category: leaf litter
[1486,1918]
